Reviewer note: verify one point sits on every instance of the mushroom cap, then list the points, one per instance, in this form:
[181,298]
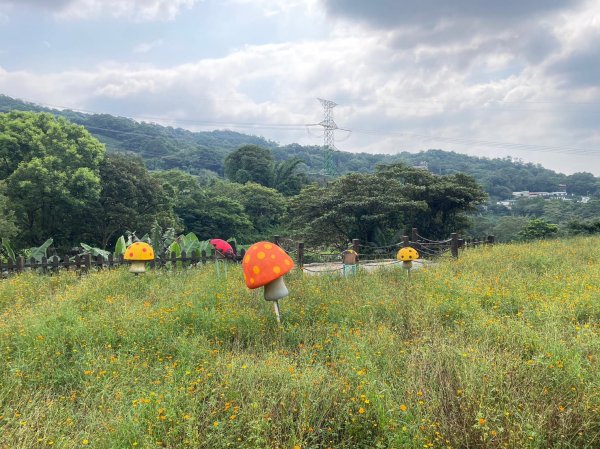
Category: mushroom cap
[221,245]
[263,263]
[407,254]
[139,251]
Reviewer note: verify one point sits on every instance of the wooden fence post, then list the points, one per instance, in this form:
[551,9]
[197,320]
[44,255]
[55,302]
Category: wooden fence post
[300,254]
[491,239]
[20,264]
[454,244]
[276,239]
[355,245]
[66,262]
[184,259]
[203,256]
[87,262]
[414,235]
[405,241]
[55,261]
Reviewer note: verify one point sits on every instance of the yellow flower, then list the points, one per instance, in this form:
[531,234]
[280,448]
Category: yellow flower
[216,424]
[481,421]
[85,441]
[361,410]
[403,407]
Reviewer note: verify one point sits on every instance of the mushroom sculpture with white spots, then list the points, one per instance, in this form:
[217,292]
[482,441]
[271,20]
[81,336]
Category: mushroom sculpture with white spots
[138,254]
[264,264]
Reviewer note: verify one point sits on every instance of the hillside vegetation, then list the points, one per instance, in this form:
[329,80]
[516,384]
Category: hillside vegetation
[165,148]
[498,349]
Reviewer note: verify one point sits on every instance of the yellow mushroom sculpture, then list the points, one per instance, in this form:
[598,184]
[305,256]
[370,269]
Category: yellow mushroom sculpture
[407,255]
[264,265]
[138,254]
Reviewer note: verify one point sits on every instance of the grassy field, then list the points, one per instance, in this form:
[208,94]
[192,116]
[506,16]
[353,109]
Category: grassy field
[497,349]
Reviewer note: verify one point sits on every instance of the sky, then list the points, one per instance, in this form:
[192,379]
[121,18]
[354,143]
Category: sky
[488,78]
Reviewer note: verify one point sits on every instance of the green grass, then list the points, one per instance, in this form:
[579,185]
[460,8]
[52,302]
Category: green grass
[498,349]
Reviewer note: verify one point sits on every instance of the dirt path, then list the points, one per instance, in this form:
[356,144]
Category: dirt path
[336,267]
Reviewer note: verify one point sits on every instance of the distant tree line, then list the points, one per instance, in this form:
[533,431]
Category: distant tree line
[204,154]
[57,180]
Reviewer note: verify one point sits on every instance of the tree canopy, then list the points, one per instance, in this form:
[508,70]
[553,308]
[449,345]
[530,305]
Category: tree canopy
[250,163]
[395,198]
[51,170]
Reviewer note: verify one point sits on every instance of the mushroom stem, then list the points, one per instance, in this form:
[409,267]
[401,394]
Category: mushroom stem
[276,307]
[137,266]
[276,290]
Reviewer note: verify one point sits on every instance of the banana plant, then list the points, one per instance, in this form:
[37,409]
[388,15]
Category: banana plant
[94,252]
[7,249]
[37,252]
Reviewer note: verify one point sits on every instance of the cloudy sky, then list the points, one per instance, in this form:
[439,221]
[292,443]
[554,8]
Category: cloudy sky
[491,78]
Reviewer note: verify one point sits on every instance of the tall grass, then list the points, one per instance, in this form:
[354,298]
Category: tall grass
[497,349]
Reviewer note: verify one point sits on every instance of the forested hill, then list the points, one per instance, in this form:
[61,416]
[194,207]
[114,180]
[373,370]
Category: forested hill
[164,147]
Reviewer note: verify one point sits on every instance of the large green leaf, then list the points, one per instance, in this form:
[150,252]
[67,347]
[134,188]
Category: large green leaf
[95,252]
[40,251]
[8,250]
[120,246]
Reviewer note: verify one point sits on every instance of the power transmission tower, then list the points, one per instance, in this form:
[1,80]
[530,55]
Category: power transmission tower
[329,127]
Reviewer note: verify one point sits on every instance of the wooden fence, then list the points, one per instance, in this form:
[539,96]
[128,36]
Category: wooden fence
[367,252]
[85,262]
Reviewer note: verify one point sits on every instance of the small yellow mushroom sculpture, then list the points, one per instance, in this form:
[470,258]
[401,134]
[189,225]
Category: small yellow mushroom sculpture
[407,255]
[138,254]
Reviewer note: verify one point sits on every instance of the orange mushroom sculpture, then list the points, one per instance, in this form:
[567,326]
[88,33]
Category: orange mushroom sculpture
[264,264]
[138,254]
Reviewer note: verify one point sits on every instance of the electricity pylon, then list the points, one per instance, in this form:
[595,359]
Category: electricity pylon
[329,127]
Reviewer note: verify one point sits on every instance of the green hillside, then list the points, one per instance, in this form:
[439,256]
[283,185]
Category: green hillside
[498,349]
[167,148]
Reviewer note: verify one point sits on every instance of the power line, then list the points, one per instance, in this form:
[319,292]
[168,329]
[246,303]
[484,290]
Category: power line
[333,127]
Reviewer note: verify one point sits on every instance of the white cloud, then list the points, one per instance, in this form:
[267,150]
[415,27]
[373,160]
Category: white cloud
[278,7]
[486,94]
[137,10]
[145,47]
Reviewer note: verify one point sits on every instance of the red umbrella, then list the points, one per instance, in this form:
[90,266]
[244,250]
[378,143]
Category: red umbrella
[222,246]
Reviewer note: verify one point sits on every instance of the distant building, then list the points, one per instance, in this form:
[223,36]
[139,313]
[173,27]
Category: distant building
[506,203]
[422,166]
[528,194]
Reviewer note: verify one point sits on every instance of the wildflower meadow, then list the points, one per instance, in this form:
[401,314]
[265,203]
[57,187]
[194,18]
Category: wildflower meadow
[497,349]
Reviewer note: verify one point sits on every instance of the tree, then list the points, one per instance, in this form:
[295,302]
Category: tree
[287,178]
[353,206]
[221,217]
[130,200]
[211,211]
[448,198]
[584,226]
[8,229]
[263,206]
[538,229]
[582,183]
[51,169]
[507,229]
[250,163]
